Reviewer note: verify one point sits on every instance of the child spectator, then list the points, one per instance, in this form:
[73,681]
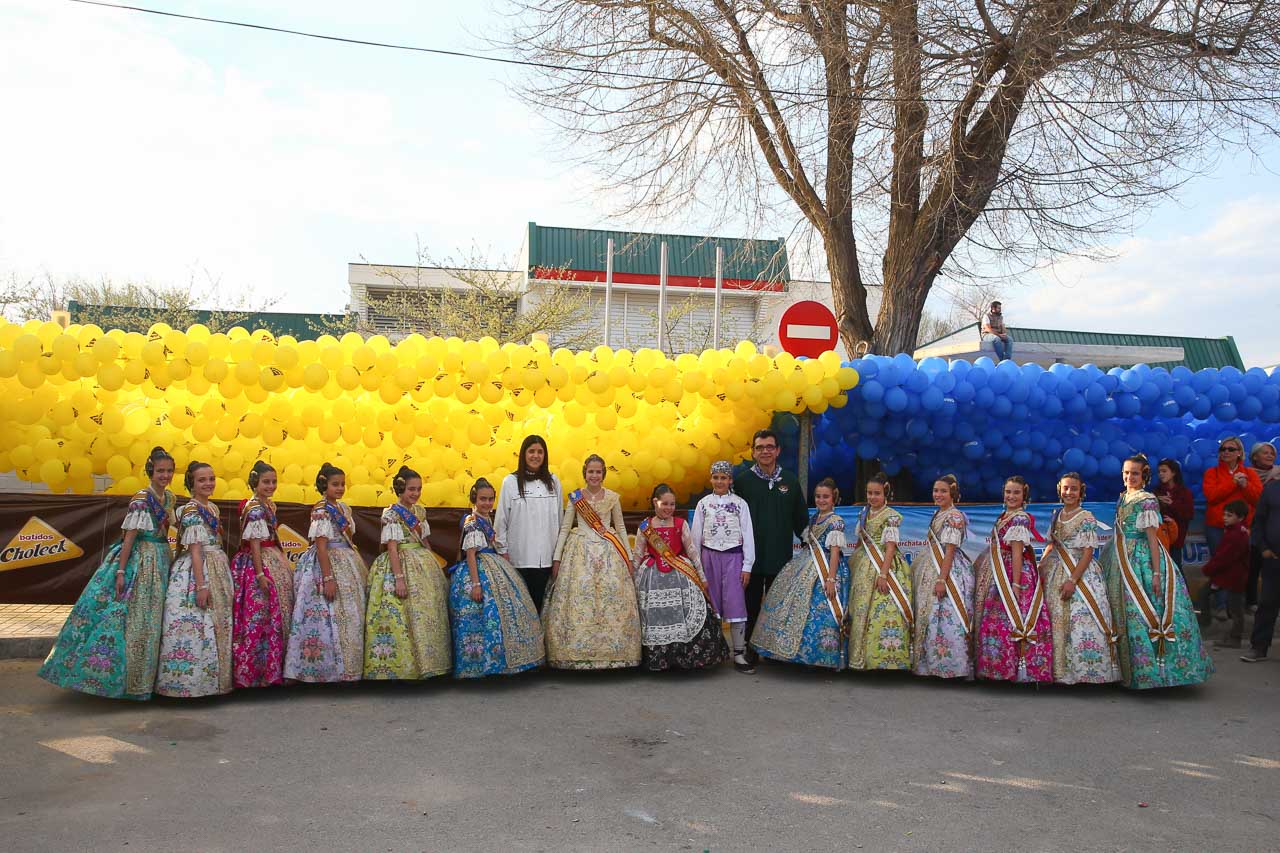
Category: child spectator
[1228,569]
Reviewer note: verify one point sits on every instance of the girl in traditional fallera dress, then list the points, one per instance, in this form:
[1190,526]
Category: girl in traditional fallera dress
[406,633]
[1015,641]
[326,640]
[679,628]
[1159,640]
[591,617]
[942,577]
[881,607]
[263,588]
[803,618]
[528,517]
[1084,641]
[495,625]
[724,539]
[110,644]
[195,647]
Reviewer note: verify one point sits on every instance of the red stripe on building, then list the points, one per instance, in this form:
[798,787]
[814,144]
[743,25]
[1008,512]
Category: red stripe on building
[672,280]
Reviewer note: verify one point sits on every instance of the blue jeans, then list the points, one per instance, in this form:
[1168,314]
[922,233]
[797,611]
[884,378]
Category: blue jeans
[1003,348]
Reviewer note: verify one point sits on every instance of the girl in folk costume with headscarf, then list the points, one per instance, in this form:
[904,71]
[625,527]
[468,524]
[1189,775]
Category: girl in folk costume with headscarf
[326,639]
[407,621]
[724,539]
[1075,593]
[110,643]
[881,608]
[943,580]
[264,588]
[1014,642]
[195,648]
[1159,639]
[679,626]
[803,618]
[495,624]
[591,616]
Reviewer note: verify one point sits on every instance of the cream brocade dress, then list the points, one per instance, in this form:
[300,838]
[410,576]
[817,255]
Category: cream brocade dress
[591,618]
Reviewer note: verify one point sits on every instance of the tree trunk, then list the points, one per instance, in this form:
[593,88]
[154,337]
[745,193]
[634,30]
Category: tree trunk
[909,278]
[848,295]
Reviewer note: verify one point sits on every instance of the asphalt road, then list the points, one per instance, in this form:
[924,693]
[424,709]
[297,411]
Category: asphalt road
[787,759]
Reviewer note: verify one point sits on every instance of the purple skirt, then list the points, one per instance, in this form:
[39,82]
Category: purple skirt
[724,582]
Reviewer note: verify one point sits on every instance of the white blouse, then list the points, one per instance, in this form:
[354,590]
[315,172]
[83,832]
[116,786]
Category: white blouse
[722,523]
[528,526]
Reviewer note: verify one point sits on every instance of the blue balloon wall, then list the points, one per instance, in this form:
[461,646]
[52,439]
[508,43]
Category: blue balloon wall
[984,421]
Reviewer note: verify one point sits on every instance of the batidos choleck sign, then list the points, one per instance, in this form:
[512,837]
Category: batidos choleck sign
[35,544]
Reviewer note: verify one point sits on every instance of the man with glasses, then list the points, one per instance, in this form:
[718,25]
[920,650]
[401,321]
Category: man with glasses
[779,512]
[1230,480]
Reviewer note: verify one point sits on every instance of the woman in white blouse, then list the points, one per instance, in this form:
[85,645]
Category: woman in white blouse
[528,517]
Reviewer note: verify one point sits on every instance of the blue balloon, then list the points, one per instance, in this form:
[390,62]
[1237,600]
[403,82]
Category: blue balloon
[974,450]
[871,390]
[916,382]
[963,392]
[932,399]
[895,400]
[1073,458]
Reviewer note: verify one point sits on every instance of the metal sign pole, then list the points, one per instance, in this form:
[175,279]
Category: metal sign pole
[608,289]
[806,425]
[662,297]
[715,317]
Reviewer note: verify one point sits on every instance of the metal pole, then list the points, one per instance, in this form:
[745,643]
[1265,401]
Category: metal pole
[715,316]
[806,424]
[608,289]
[662,297]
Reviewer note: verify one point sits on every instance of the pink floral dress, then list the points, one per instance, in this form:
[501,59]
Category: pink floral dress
[1012,646]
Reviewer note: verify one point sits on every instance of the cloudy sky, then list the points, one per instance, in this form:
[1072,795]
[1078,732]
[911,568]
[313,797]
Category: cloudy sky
[147,148]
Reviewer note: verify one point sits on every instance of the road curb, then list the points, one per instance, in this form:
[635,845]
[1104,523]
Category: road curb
[19,648]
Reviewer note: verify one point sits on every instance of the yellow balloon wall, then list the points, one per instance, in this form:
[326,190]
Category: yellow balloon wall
[80,401]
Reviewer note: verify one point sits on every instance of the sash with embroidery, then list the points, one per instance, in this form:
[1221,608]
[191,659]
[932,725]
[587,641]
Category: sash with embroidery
[338,519]
[268,508]
[209,518]
[818,556]
[1082,589]
[670,558]
[588,514]
[158,509]
[877,560]
[411,521]
[1024,626]
[1159,628]
[953,591]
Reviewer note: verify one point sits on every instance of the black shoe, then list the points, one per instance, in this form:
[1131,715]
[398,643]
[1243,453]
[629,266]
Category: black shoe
[752,656]
[1254,656]
[741,665]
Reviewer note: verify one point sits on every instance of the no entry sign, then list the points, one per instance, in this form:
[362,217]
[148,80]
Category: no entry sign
[807,328]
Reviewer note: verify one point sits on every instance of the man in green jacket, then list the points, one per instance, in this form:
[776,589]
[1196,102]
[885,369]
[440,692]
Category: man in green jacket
[779,511]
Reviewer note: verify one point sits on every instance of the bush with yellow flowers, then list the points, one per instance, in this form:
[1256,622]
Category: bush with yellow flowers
[80,401]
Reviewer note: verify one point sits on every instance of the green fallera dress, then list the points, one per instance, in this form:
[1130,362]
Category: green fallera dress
[880,627]
[110,646]
[1170,652]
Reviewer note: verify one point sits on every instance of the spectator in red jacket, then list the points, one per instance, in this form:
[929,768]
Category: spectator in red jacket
[1229,481]
[1228,569]
[1176,502]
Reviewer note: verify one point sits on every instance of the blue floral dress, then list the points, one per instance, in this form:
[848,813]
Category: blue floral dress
[500,635]
[798,624]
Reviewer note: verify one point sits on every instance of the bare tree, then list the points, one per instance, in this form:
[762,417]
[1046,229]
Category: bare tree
[488,301]
[970,134]
[130,305]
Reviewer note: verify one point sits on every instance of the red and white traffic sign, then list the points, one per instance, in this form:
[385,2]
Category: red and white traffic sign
[807,328]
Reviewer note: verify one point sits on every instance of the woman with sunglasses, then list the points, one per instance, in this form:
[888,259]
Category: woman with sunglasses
[1229,481]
